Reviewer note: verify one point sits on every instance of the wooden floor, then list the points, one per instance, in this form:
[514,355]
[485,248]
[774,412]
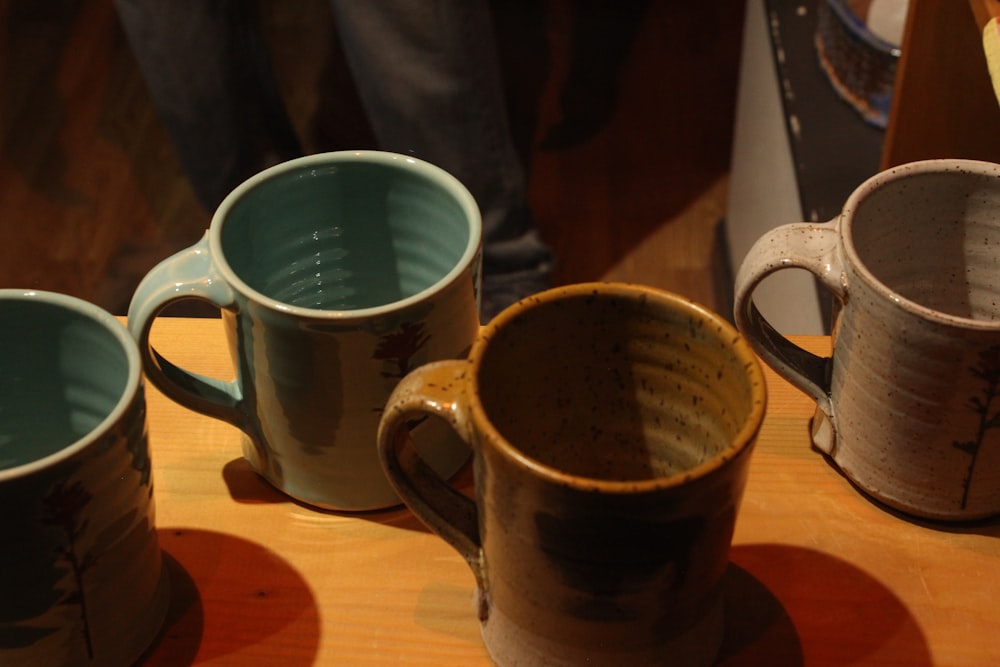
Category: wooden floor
[92,195]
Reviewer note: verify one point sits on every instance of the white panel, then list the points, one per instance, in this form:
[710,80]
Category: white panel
[763,192]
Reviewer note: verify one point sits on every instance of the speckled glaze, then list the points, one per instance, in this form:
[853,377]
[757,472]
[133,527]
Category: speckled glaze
[82,581]
[612,427]
[907,406]
[336,274]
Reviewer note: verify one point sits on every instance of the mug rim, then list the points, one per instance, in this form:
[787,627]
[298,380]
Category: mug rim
[846,221]
[129,392]
[739,445]
[431,172]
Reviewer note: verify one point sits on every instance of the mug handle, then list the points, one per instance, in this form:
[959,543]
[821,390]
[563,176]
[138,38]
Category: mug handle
[188,274]
[436,388]
[810,246]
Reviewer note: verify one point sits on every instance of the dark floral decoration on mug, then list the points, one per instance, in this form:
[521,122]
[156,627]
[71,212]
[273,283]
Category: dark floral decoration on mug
[62,508]
[988,371]
[400,347]
[136,440]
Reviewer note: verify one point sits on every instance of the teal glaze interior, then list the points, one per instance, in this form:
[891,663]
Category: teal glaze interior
[934,239]
[62,375]
[615,388]
[345,235]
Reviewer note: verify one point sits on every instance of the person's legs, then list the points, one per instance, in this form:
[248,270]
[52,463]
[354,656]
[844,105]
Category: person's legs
[428,76]
[602,36]
[209,74]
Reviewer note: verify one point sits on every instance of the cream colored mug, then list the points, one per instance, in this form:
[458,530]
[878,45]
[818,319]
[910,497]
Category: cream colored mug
[611,429]
[908,406]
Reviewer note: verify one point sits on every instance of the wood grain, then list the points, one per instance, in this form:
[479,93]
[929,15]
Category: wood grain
[820,575]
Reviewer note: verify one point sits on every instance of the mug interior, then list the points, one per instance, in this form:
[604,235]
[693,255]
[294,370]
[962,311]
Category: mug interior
[616,386]
[345,234]
[933,238]
[63,374]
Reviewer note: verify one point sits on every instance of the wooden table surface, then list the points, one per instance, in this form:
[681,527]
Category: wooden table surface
[820,575]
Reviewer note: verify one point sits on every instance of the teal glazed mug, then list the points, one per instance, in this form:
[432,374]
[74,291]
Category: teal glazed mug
[907,404]
[336,274]
[611,427]
[82,579]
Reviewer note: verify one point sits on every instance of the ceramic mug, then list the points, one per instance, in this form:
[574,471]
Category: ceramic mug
[907,406]
[612,427]
[336,274]
[82,580]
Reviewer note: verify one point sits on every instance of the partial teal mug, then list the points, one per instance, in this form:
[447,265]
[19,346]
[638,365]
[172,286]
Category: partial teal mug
[336,274]
[82,580]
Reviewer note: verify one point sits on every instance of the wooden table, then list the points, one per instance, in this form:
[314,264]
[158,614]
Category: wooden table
[820,575]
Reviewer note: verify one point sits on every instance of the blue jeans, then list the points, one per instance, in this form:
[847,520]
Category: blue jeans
[427,74]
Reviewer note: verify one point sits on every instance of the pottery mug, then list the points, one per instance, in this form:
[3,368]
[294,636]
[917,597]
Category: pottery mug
[611,427]
[82,580]
[335,274]
[907,406]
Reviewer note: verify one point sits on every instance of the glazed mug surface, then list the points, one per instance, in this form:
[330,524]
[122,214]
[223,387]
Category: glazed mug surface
[336,274]
[611,427]
[906,405]
[82,580]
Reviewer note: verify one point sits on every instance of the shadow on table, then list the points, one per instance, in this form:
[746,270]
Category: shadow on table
[792,606]
[758,629]
[229,594]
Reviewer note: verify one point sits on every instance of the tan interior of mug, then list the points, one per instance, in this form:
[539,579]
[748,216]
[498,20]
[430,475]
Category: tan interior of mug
[615,386]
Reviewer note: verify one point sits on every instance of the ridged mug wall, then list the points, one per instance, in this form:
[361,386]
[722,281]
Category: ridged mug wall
[335,274]
[908,406]
[82,581]
[611,427]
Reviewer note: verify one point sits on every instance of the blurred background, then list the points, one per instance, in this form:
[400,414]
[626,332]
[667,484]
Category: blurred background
[627,166]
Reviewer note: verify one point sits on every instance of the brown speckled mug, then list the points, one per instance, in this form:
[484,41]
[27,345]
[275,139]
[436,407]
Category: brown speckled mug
[908,406]
[612,427]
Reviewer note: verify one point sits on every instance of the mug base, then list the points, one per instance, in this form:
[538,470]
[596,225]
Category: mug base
[509,643]
[889,495]
[361,488]
[332,497]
